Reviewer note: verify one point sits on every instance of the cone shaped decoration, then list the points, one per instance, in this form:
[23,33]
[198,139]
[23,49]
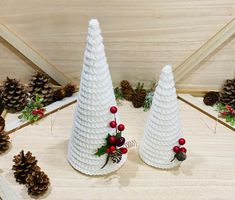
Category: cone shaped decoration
[162,130]
[6,192]
[92,115]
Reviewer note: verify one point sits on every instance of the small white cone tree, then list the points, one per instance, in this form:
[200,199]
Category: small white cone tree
[162,130]
[92,115]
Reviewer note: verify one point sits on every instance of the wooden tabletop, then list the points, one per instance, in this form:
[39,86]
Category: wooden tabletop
[208,173]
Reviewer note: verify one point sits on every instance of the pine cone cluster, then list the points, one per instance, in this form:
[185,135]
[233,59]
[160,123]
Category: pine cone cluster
[139,96]
[127,90]
[26,171]
[227,94]
[2,123]
[211,98]
[39,84]
[14,95]
[66,91]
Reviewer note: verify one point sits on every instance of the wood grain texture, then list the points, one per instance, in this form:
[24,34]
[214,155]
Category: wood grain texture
[208,173]
[140,36]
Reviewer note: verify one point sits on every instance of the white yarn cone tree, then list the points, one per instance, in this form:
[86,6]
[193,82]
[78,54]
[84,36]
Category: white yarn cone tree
[6,191]
[162,130]
[92,115]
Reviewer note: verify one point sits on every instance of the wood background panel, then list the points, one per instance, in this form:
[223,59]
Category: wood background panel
[140,36]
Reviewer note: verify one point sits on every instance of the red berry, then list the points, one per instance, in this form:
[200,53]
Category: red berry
[120,141]
[181,141]
[112,148]
[123,150]
[113,124]
[176,149]
[183,149]
[112,139]
[113,109]
[121,127]
[107,150]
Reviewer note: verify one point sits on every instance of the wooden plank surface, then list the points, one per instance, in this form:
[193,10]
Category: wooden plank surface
[208,173]
[16,42]
[140,36]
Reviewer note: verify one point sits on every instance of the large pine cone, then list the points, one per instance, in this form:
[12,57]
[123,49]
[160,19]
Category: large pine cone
[39,84]
[139,98]
[227,95]
[37,183]
[4,142]
[127,90]
[24,164]
[14,95]
[211,98]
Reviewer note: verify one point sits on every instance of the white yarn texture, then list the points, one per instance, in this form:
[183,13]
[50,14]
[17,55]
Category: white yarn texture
[162,129]
[92,114]
[6,192]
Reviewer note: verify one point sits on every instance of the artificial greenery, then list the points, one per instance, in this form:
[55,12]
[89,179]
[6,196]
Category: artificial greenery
[227,112]
[118,94]
[33,111]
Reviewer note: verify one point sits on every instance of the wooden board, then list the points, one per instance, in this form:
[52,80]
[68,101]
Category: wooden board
[207,110]
[208,173]
[15,124]
[140,37]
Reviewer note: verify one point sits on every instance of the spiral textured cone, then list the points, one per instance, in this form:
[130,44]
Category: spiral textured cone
[14,95]
[6,191]
[162,129]
[92,114]
[127,90]
[4,142]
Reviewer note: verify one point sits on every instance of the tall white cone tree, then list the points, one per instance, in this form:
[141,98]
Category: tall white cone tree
[162,129]
[92,115]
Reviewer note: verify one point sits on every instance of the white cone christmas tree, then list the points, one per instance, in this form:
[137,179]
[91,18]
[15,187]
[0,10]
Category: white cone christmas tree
[92,115]
[162,130]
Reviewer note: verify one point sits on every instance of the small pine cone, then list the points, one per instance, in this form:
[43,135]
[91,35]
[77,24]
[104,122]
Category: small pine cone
[139,98]
[127,90]
[14,95]
[211,98]
[227,95]
[4,142]
[24,164]
[2,123]
[40,85]
[116,156]
[58,95]
[37,183]
[69,89]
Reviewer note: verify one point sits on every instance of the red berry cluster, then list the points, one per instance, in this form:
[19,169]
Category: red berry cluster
[180,151]
[39,112]
[115,141]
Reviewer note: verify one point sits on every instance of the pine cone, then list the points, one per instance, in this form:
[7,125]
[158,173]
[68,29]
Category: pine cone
[116,156]
[2,123]
[4,142]
[139,98]
[58,95]
[14,95]
[69,89]
[37,183]
[24,164]
[211,98]
[227,95]
[127,90]
[39,84]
